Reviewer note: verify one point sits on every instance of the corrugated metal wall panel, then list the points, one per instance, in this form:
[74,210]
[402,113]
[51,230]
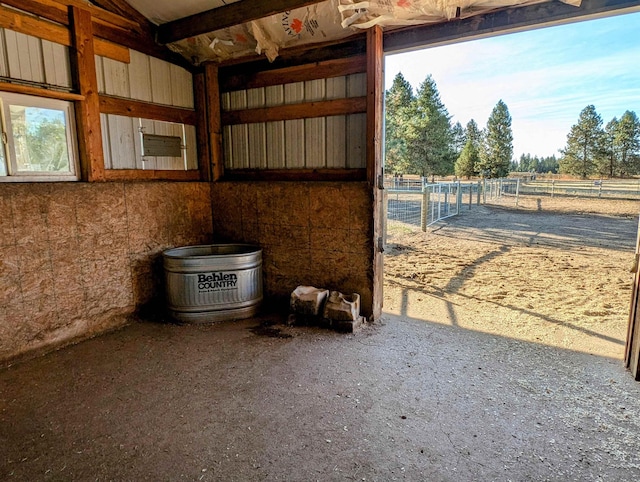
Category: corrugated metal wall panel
[239,133]
[57,69]
[191,146]
[140,76]
[116,78]
[160,81]
[324,142]
[336,136]
[121,132]
[257,155]
[315,134]
[294,129]
[24,56]
[181,87]
[274,95]
[4,67]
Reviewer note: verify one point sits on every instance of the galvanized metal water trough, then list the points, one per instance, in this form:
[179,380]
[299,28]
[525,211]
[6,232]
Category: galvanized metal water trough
[213,282]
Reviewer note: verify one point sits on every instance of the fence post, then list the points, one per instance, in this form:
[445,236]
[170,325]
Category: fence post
[478,200]
[458,199]
[484,191]
[517,191]
[600,188]
[424,211]
[553,187]
[470,195]
[499,193]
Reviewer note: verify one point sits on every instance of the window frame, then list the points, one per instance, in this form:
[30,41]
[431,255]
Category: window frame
[13,174]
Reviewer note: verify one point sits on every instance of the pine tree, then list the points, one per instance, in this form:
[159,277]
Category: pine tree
[584,144]
[608,162]
[626,142]
[398,100]
[472,133]
[497,151]
[465,166]
[428,133]
[459,138]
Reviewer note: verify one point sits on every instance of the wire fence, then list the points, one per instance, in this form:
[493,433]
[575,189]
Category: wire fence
[415,204]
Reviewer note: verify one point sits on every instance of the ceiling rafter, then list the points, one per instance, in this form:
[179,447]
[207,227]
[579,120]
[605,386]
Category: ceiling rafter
[225,16]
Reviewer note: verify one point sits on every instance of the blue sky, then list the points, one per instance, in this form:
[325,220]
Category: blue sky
[545,76]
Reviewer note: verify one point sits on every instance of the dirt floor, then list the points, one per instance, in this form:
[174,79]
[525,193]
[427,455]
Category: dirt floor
[554,271]
[432,394]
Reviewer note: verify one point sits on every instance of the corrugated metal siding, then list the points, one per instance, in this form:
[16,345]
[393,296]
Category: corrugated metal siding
[123,146]
[29,58]
[150,80]
[323,142]
[147,79]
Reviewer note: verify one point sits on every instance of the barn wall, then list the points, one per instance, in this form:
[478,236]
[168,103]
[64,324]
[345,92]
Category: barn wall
[311,233]
[78,259]
[322,142]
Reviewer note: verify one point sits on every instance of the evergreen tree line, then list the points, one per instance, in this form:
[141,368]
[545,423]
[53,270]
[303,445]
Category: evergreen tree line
[420,138]
[609,151]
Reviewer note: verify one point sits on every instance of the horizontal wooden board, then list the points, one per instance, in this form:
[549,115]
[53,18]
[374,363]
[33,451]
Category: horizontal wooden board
[295,174]
[305,110]
[52,32]
[146,110]
[300,73]
[28,90]
[150,175]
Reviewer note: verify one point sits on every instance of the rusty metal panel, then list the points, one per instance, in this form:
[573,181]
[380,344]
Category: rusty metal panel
[257,132]
[140,76]
[57,69]
[274,95]
[294,129]
[116,78]
[336,126]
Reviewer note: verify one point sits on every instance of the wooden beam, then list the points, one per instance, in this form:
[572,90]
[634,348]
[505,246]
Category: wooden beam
[29,25]
[375,112]
[375,86]
[121,7]
[304,110]
[202,136]
[298,73]
[214,121]
[146,110]
[298,175]
[150,175]
[503,21]
[40,92]
[83,69]
[99,13]
[225,16]
[141,39]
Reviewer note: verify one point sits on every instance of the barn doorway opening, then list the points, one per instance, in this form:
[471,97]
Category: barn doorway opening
[536,262]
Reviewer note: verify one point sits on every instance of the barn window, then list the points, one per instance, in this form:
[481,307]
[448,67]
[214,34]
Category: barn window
[38,142]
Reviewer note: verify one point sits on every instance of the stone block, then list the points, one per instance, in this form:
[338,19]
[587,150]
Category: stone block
[342,308]
[308,300]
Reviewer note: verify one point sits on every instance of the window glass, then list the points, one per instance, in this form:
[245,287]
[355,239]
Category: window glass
[40,139]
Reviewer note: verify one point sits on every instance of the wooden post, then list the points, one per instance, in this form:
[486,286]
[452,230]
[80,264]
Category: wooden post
[85,79]
[375,86]
[517,191]
[478,200]
[213,121]
[484,191]
[202,136]
[424,208]
[553,187]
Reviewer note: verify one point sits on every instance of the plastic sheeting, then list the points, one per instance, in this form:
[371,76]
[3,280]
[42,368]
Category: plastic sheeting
[327,21]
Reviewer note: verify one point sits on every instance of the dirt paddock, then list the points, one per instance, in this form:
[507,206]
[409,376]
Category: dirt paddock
[554,271]
[501,364]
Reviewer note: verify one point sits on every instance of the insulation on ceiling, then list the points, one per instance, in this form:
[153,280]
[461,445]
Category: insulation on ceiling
[328,21]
